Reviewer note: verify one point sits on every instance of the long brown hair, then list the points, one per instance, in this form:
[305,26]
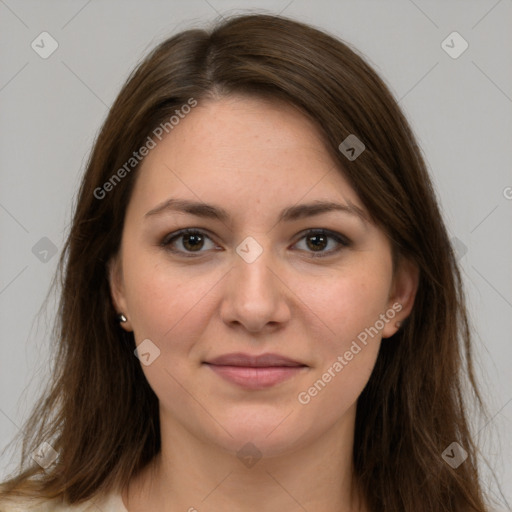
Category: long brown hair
[100,413]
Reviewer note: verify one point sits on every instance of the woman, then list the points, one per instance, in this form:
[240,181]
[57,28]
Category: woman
[261,309]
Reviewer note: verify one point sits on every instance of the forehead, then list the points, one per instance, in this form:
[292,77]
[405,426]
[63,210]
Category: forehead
[250,146]
[240,127]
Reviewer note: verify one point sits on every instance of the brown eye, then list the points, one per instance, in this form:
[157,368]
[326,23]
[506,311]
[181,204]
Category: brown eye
[318,240]
[187,241]
[192,242]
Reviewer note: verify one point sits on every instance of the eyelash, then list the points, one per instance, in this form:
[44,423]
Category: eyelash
[343,241]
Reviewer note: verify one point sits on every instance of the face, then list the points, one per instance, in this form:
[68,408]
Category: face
[263,270]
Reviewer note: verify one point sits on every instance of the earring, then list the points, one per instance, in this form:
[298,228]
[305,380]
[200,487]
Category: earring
[121,318]
[398,324]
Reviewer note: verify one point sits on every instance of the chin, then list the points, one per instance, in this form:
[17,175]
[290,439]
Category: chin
[265,435]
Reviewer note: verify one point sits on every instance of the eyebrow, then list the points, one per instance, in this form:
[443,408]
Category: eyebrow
[288,214]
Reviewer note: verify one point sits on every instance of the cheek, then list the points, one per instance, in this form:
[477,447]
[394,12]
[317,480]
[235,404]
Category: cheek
[172,311]
[350,309]
[335,388]
[348,304]
[346,354]
[162,301]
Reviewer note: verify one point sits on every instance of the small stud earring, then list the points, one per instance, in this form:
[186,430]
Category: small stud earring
[121,318]
[398,324]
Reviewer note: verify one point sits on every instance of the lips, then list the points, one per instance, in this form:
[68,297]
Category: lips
[261,361]
[255,372]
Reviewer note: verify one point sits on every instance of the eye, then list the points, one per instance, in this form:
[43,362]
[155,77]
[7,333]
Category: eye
[318,239]
[189,242]
[192,241]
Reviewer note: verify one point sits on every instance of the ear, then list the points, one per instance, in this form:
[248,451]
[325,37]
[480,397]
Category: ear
[402,294]
[117,293]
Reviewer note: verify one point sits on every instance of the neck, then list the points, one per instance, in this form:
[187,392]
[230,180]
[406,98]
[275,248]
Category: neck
[190,474]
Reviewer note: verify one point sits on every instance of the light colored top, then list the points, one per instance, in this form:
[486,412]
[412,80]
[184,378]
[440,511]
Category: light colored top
[108,503]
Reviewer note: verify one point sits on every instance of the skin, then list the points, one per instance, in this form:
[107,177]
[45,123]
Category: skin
[253,158]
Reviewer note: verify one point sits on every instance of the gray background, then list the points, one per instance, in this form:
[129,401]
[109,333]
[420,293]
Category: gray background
[460,109]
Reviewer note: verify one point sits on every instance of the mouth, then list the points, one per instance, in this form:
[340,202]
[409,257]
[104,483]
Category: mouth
[255,372]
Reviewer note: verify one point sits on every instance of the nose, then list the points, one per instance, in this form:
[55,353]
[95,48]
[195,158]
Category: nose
[255,294]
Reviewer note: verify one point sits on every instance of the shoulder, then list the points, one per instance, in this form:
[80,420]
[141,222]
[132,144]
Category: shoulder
[106,503]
